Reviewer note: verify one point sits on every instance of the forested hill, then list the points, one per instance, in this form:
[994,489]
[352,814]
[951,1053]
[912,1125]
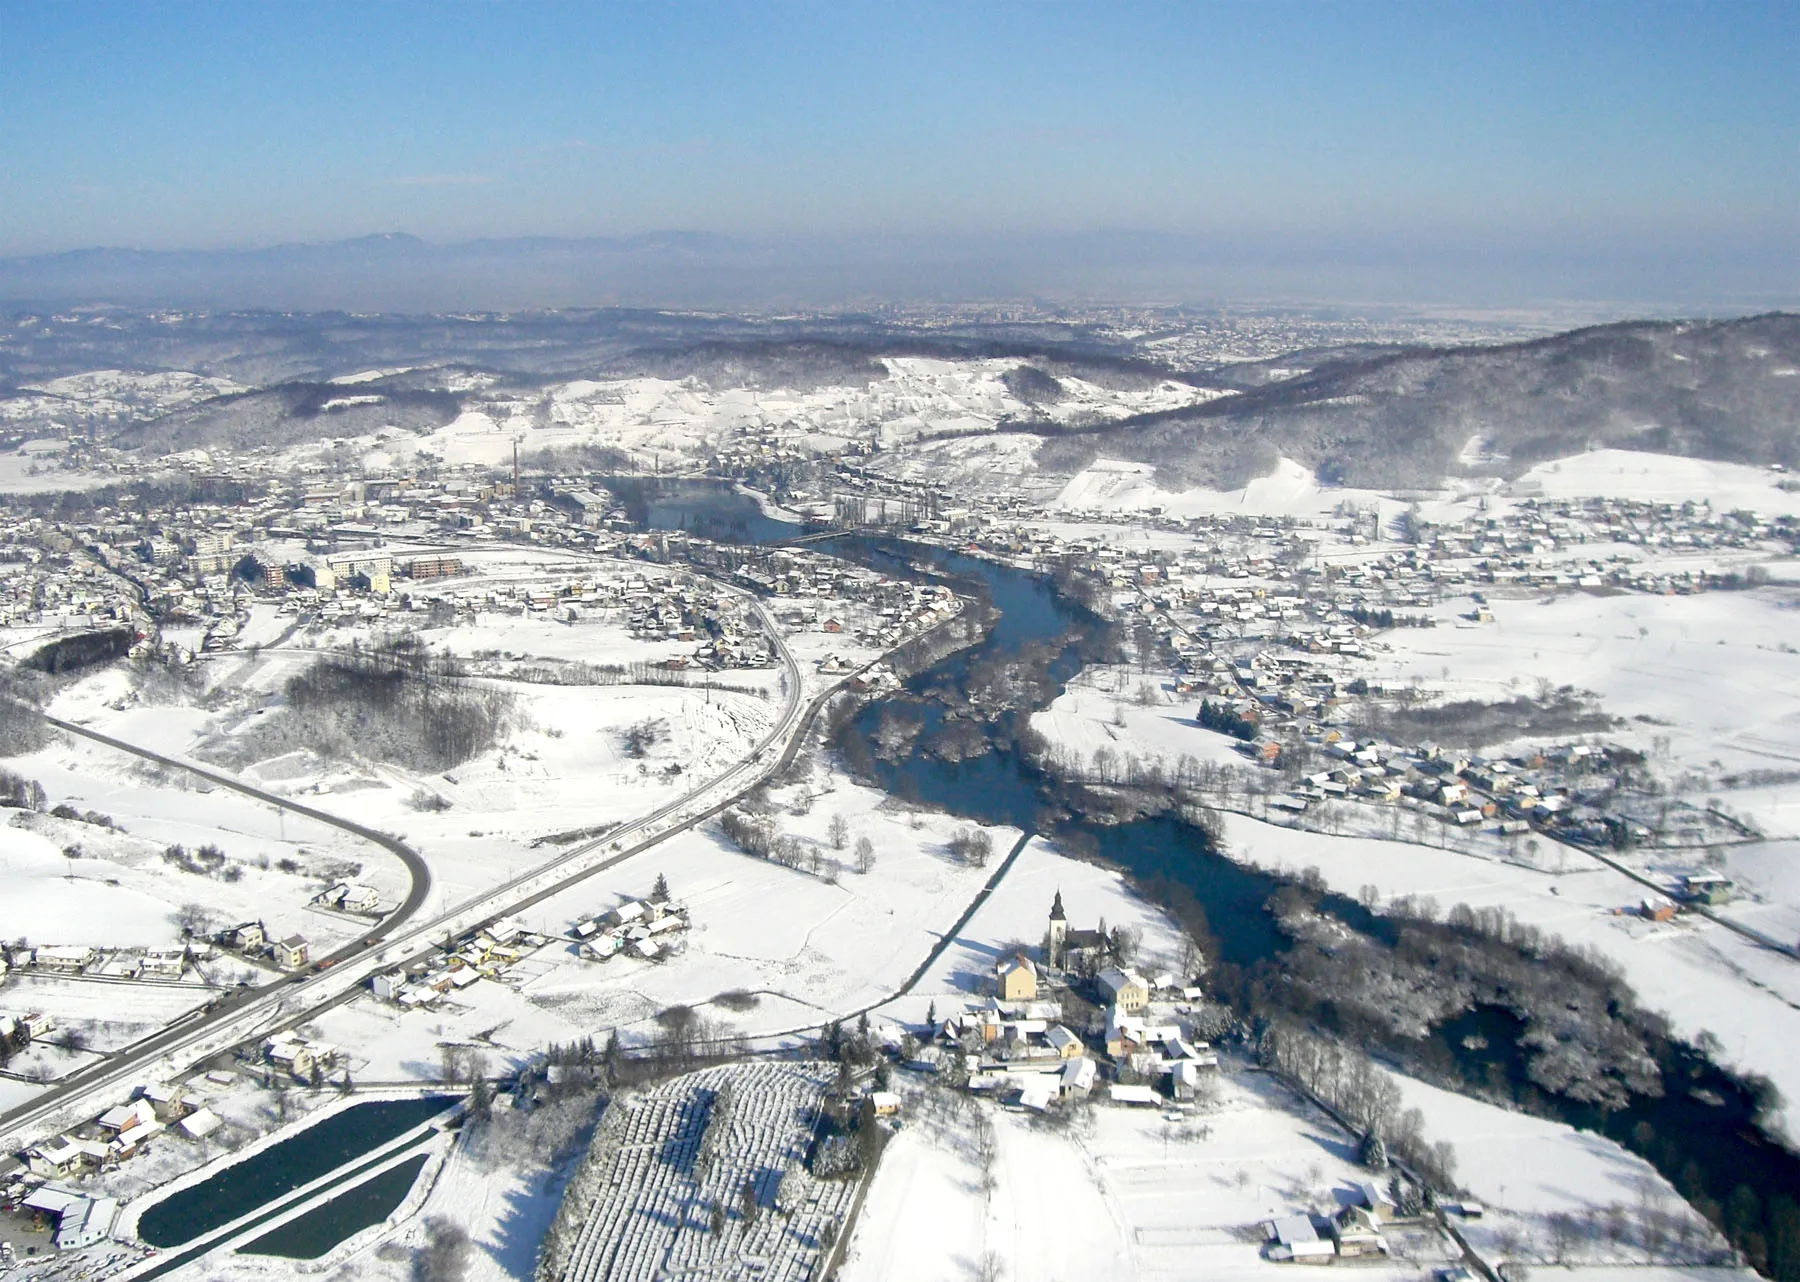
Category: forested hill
[1718,389]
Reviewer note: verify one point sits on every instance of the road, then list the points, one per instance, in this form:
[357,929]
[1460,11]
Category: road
[416,868]
[255,1012]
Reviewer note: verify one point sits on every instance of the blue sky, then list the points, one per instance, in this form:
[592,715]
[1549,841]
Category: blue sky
[1454,124]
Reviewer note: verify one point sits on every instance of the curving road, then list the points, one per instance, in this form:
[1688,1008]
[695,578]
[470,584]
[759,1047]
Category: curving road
[415,865]
[256,1012]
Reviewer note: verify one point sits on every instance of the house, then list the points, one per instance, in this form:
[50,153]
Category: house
[1063,1042]
[1293,1237]
[128,1117]
[1372,1198]
[885,1103]
[22,1030]
[1078,1077]
[291,953]
[1186,1076]
[1355,1232]
[162,963]
[352,898]
[1123,989]
[64,1156]
[1699,888]
[201,1123]
[69,959]
[1037,1091]
[167,1101]
[1017,979]
[250,937]
[298,1056]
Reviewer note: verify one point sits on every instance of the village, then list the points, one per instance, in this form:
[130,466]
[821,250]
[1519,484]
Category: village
[1273,635]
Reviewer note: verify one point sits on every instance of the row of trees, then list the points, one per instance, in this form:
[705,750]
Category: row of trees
[1350,1084]
[756,834]
[20,793]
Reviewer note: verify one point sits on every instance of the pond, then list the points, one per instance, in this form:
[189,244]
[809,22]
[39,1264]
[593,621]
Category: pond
[308,1236]
[281,1168]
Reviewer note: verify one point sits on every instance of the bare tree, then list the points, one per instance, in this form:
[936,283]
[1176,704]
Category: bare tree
[839,832]
[445,1255]
[865,855]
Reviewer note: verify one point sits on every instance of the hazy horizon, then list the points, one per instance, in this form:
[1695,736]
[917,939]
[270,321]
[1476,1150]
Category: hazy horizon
[1516,156]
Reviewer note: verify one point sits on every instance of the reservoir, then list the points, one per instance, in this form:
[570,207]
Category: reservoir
[308,1236]
[281,1168]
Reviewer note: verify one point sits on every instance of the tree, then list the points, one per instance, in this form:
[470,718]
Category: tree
[839,832]
[444,1257]
[972,846]
[450,1060]
[1372,1152]
[194,921]
[865,855]
[748,1202]
[660,891]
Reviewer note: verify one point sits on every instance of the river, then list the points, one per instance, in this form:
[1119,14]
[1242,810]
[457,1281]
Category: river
[1700,1133]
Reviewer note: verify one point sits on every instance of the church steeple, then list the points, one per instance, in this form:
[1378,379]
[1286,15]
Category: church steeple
[1055,937]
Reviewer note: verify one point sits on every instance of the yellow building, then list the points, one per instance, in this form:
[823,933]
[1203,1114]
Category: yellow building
[1018,979]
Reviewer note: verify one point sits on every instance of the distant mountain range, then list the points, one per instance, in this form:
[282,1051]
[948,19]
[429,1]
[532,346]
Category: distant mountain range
[1725,390]
[396,272]
[1361,413]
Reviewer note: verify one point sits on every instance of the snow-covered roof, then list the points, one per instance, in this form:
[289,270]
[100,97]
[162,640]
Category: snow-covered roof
[201,1123]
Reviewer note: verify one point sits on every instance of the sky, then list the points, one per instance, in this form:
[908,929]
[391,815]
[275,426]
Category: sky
[1351,130]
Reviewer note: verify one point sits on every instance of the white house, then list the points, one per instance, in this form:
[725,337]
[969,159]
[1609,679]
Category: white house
[200,1124]
[1078,1077]
[1293,1237]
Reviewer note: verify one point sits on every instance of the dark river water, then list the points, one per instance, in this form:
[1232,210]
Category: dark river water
[1700,1134]
[704,508]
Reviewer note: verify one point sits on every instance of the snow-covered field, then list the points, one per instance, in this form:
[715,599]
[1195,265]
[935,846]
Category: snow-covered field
[918,399]
[1115,485]
[1660,478]
[807,948]
[1124,1193]
[121,892]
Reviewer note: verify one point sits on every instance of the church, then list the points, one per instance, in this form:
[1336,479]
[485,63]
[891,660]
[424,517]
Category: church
[1081,951]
